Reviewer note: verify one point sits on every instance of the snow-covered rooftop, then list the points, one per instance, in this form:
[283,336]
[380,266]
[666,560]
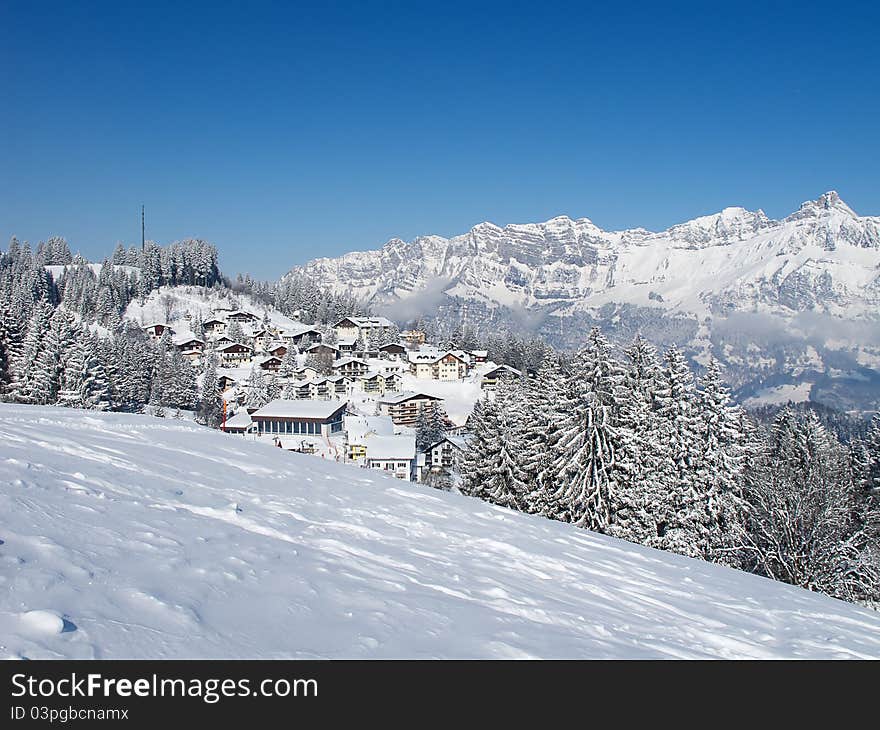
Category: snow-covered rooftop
[310,409]
[357,427]
[347,361]
[392,398]
[368,322]
[390,447]
[242,419]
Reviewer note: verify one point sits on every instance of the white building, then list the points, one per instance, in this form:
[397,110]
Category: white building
[404,408]
[437,365]
[354,327]
[308,417]
[393,454]
[445,455]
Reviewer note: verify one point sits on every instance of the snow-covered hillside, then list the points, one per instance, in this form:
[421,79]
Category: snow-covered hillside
[129,536]
[171,303]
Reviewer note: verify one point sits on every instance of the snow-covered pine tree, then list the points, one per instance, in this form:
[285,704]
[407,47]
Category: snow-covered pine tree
[273,388]
[210,406]
[591,463]
[474,463]
[502,477]
[430,426]
[720,467]
[651,475]
[288,364]
[801,526]
[587,470]
[181,390]
[600,372]
[865,465]
[72,374]
[679,432]
[543,412]
[235,333]
[133,371]
[94,390]
[26,379]
[257,392]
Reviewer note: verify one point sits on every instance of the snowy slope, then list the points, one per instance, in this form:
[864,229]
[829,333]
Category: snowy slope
[126,536]
[171,303]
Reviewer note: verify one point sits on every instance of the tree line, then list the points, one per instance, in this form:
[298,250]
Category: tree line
[631,445]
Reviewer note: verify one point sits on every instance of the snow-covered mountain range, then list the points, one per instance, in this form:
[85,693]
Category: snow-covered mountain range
[127,536]
[772,299]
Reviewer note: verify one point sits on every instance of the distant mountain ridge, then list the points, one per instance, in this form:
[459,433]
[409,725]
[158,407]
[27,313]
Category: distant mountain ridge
[822,261]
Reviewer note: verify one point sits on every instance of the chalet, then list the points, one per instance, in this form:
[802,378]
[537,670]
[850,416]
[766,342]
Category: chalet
[479,356]
[319,389]
[194,356]
[392,454]
[413,337]
[366,354]
[157,329]
[492,377]
[372,382]
[214,327]
[321,350]
[393,382]
[434,365]
[350,366]
[262,338]
[346,345]
[191,347]
[240,423]
[302,388]
[404,408]
[312,417]
[338,383]
[222,341]
[188,341]
[393,350]
[450,366]
[300,337]
[421,363]
[242,317]
[445,455]
[224,382]
[270,363]
[306,373]
[355,327]
[235,354]
[278,349]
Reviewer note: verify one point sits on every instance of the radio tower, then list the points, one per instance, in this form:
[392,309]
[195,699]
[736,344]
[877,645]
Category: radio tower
[143,240]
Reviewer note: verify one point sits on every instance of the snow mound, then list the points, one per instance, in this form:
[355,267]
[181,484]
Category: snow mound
[162,539]
[42,622]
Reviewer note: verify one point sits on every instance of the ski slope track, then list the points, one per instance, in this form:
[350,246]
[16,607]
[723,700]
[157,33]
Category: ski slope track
[125,536]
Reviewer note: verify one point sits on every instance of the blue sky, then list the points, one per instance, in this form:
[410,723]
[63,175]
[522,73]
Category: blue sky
[282,132]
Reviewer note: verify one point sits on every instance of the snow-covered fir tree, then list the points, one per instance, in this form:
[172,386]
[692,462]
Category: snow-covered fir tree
[802,525]
[430,426]
[257,390]
[210,405]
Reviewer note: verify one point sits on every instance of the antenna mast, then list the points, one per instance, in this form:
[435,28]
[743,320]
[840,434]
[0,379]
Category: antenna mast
[143,239]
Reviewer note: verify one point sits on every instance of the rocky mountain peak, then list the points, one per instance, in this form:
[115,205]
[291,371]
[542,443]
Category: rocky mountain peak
[829,201]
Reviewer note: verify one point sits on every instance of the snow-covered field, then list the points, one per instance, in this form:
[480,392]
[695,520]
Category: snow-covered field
[171,303]
[780,395]
[129,536]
